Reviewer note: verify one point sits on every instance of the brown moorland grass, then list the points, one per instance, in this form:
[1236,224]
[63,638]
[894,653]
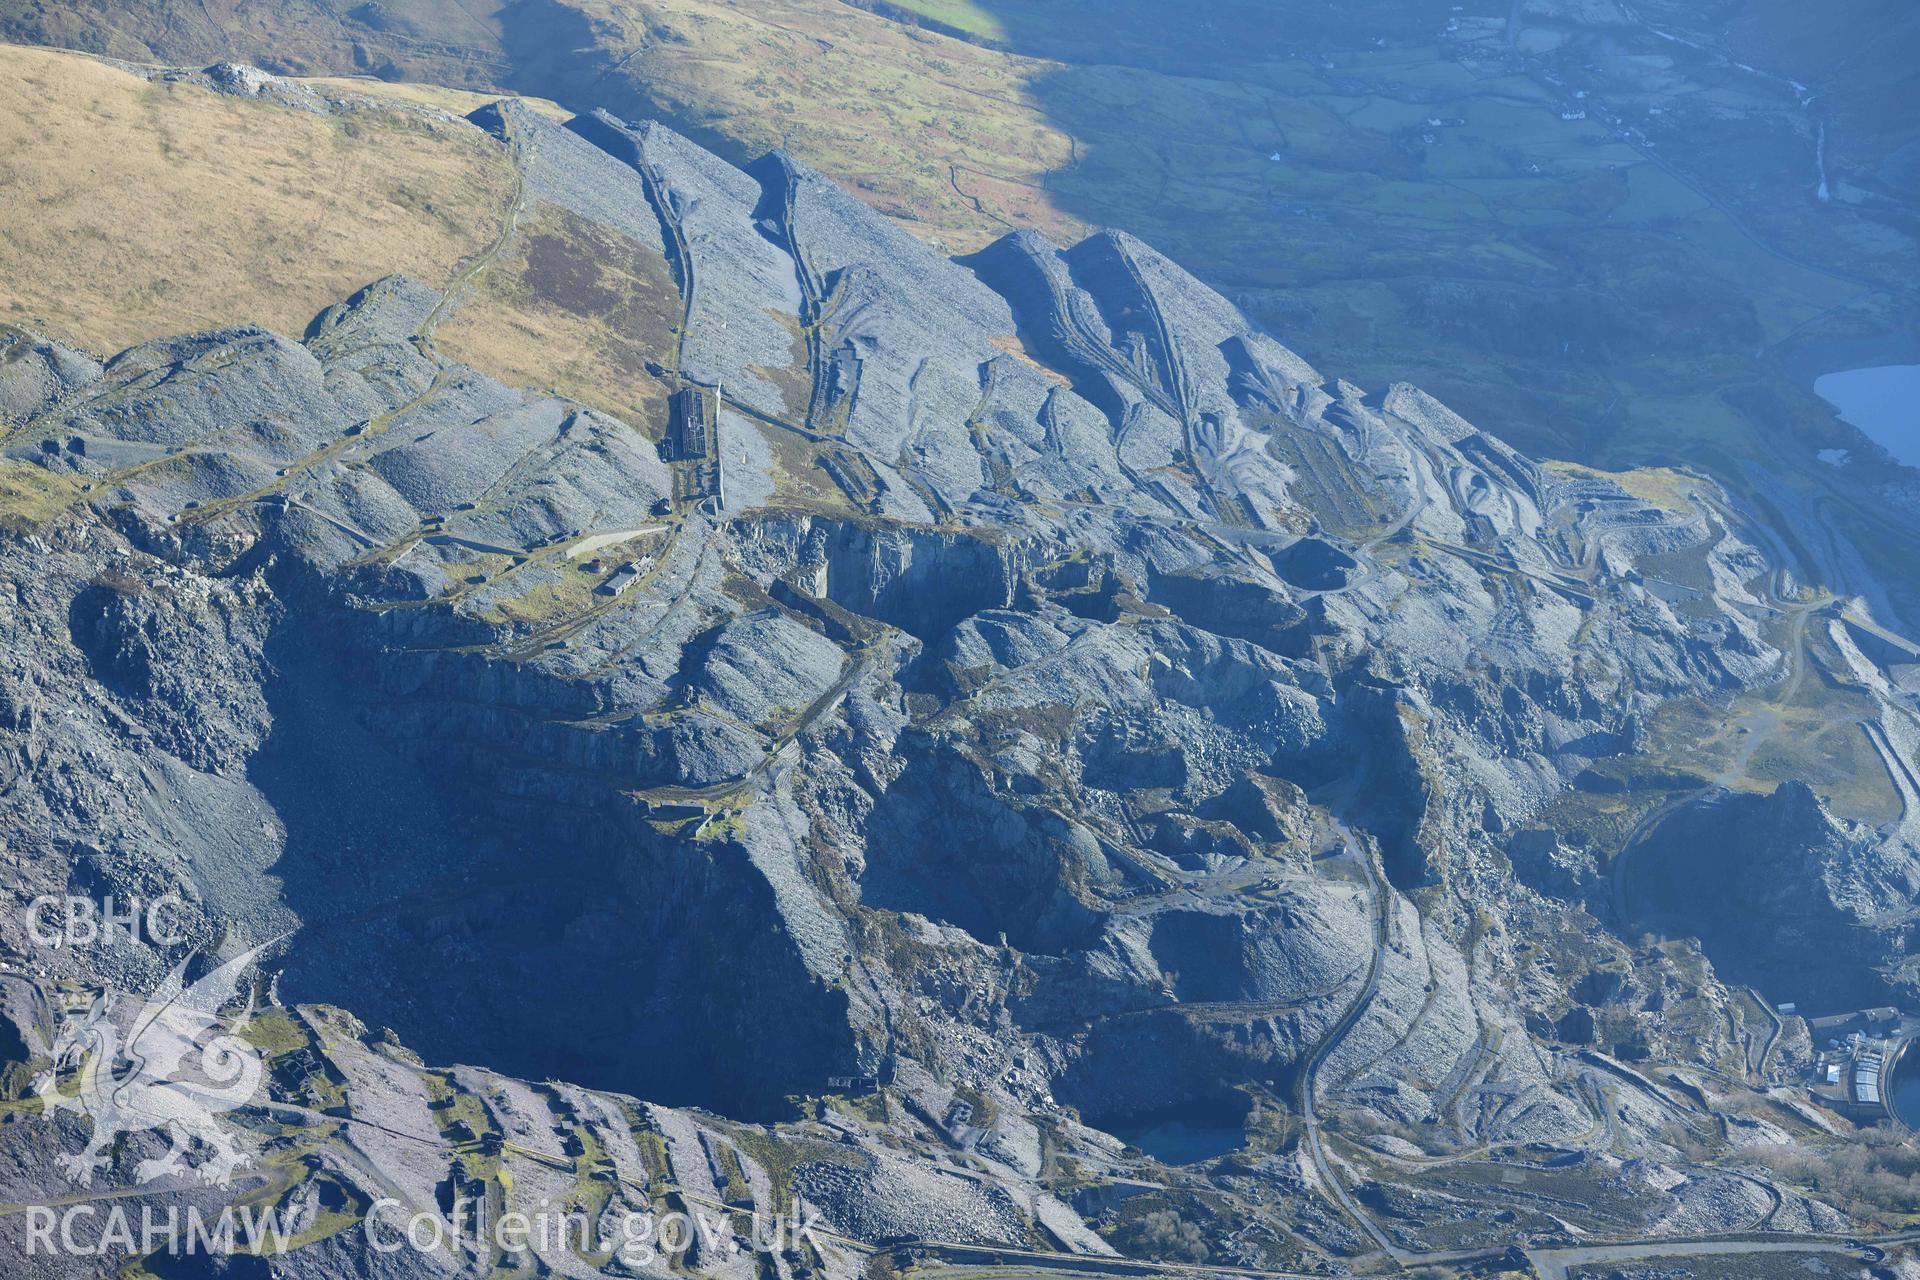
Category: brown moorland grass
[30,495]
[130,209]
[456,101]
[576,308]
[950,138]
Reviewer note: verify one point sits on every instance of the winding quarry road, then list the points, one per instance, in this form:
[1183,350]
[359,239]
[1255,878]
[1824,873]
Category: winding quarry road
[1553,1264]
[1309,1074]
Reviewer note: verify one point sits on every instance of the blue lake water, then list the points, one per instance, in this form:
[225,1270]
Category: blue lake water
[1906,1088]
[1883,401]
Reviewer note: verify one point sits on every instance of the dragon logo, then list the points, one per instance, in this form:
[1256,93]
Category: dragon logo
[164,1061]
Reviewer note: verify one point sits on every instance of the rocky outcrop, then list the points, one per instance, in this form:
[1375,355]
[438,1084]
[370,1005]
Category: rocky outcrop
[1037,690]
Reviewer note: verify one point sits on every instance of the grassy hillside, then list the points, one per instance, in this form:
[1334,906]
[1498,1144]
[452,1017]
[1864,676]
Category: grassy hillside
[140,208]
[453,42]
[1864,69]
[575,307]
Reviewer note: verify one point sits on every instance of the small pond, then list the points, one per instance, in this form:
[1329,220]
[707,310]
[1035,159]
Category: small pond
[1187,1133]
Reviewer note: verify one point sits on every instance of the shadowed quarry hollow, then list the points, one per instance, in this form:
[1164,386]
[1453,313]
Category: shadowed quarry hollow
[446,893]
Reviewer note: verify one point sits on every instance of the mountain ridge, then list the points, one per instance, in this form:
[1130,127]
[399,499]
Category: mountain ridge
[1018,681]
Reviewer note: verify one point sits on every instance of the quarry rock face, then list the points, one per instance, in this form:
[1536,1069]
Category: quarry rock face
[1037,690]
[1783,893]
